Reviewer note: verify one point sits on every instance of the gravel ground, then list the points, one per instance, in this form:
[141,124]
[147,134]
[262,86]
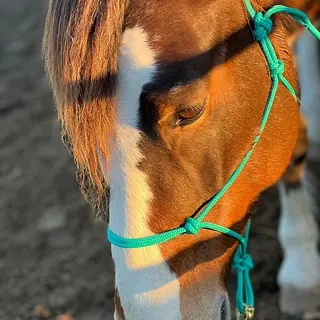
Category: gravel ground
[54,260]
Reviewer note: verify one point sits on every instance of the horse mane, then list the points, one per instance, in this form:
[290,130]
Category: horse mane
[80,48]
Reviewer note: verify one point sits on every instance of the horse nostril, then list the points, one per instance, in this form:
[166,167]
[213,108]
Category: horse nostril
[225,309]
[221,307]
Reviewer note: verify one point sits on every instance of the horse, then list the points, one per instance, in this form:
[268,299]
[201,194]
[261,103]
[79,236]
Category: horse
[161,100]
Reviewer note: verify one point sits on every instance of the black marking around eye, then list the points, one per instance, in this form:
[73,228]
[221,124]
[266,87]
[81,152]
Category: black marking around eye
[148,115]
[179,73]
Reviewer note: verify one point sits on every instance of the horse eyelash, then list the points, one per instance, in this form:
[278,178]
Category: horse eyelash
[193,107]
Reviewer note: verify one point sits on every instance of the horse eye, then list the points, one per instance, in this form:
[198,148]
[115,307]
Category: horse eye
[188,115]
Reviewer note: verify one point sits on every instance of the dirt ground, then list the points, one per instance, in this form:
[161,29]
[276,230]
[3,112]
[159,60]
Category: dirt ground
[52,253]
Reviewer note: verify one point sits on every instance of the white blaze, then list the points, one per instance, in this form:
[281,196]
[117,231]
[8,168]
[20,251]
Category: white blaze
[147,287]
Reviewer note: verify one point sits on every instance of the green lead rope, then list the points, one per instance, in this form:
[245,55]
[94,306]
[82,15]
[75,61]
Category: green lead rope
[262,26]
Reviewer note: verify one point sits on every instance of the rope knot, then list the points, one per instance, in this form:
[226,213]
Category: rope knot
[276,68]
[191,226]
[262,27]
[243,263]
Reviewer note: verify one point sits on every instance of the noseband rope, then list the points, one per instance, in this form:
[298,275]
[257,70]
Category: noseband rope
[262,27]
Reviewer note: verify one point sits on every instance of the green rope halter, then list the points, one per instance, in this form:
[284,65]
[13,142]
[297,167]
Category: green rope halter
[262,26]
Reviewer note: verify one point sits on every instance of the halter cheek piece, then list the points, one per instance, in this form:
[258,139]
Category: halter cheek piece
[262,26]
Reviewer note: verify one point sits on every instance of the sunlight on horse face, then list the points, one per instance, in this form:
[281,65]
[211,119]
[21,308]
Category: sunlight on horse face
[191,94]
[192,87]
